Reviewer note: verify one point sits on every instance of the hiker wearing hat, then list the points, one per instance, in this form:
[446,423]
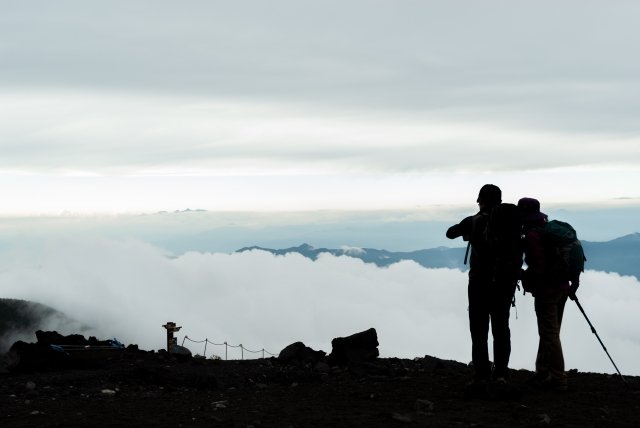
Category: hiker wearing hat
[550,295]
[489,296]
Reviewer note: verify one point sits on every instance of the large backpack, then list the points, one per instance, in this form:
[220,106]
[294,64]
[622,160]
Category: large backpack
[563,251]
[503,234]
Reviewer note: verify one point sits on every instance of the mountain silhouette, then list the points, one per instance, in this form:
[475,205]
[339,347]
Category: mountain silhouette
[620,255]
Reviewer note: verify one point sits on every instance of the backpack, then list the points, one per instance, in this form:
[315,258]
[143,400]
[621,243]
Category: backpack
[503,235]
[563,251]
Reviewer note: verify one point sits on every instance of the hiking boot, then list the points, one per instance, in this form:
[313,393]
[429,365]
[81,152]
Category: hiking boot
[538,378]
[554,384]
[500,373]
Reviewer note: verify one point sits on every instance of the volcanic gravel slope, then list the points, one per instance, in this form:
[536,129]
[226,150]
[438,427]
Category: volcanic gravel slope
[139,388]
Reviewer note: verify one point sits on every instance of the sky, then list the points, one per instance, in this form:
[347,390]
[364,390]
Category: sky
[138,107]
[128,289]
[361,123]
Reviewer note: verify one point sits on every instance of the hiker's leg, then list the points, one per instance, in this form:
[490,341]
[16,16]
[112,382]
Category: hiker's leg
[479,328]
[550,358]
[545,323]
[560,308]
[500,310]
[557,356]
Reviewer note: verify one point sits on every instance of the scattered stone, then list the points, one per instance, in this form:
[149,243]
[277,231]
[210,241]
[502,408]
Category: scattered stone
[545,419]
[402,418]
[322,367]
[424,406]
[30,386]
[220,404]
[109,392]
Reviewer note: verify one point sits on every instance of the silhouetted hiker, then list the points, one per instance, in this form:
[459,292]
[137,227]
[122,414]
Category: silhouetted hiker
[490,290]
[550,295]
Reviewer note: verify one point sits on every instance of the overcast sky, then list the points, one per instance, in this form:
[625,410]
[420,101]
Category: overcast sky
[139,106]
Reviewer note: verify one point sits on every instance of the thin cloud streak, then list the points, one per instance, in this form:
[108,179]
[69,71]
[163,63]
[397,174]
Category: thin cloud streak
[122,134]
[128,289]
[56,195]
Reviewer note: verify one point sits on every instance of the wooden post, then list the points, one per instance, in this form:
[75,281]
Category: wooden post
[171,341]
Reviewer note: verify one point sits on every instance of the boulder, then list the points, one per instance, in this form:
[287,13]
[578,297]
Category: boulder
[53,351]
[359,347]
[298,352]
[180,352]
[36,357]
[55,338]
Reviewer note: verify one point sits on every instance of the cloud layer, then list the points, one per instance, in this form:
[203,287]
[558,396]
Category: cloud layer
[128,289]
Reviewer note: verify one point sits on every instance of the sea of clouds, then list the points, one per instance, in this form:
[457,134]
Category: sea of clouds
[128,289]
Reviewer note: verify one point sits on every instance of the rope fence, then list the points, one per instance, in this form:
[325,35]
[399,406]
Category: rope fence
[226,348]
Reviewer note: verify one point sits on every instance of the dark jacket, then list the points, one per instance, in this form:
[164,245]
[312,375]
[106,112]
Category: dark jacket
[482,260]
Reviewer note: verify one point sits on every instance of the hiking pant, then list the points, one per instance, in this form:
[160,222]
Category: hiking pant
[490,303]
[549,311]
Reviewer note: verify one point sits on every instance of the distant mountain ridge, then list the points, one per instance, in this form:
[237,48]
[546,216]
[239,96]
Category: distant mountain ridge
[620,255]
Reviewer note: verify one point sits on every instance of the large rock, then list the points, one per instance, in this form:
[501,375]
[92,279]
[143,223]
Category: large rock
[359,347]
[298,352]
[180,352]
[55,338]
[53,351]
[35,357]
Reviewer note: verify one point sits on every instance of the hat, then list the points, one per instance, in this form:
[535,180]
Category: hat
[490,194]
[530,210]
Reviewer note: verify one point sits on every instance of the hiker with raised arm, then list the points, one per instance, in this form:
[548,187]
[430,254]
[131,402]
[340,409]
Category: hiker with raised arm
[495,261]
[550,287]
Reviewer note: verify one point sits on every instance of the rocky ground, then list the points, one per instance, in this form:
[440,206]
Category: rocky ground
[138,388]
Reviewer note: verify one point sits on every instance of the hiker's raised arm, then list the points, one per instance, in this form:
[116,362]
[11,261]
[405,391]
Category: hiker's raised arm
[461,229]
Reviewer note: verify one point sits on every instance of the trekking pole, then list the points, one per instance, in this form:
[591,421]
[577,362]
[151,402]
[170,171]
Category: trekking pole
[593,330]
